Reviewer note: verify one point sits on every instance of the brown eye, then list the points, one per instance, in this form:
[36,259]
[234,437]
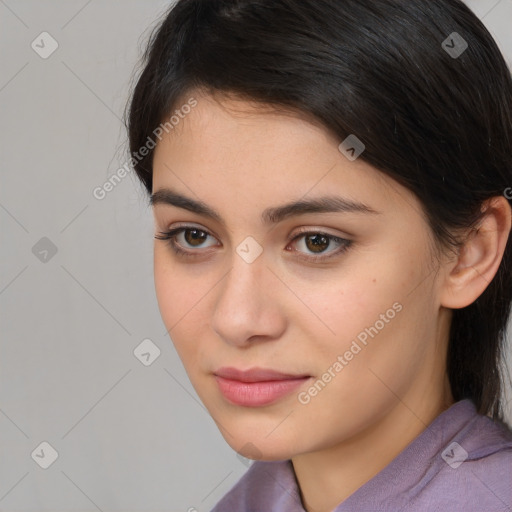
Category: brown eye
[194,237]
[317,242]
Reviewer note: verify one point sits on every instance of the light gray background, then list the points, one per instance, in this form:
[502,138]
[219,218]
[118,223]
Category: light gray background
[129,437]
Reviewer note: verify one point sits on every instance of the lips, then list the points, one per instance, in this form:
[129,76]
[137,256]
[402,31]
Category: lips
[256,387]
[256,375]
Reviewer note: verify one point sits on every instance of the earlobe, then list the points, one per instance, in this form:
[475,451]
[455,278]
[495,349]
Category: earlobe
[480,256]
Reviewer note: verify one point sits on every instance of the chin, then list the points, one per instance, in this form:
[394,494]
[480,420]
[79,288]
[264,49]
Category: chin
[257,433]
[265,451]
[258,441]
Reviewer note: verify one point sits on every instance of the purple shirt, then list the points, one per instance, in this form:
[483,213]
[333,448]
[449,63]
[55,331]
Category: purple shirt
[462,462]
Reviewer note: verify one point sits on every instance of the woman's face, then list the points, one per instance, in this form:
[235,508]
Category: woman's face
[343,305]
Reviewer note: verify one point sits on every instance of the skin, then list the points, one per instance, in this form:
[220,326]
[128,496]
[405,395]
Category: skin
[294,316]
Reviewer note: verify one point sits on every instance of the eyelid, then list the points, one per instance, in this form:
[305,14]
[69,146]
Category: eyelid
[313,229]
[300,230]
[185,225]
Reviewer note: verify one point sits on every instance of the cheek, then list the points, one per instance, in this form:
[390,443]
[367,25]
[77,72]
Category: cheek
[381,335]
[178,294]
[340,310]
[369,315]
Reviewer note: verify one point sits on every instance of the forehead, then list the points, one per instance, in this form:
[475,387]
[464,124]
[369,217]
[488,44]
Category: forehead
[236,127]
[232,151]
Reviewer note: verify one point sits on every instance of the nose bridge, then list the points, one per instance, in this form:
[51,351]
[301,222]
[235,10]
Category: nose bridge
[245,279]
[239,309]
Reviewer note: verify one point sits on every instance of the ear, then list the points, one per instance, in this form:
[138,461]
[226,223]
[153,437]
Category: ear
[479,258]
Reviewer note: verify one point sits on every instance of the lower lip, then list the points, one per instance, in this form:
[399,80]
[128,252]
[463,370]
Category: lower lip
[257,394]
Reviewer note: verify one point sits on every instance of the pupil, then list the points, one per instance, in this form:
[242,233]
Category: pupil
[318,242]
[194,237]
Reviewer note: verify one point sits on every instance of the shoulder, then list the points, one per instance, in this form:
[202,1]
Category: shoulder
[473,471]
[462,463]
[483,473]
[266,485]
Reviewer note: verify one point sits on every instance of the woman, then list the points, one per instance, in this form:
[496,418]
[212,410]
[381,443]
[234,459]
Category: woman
[330,181]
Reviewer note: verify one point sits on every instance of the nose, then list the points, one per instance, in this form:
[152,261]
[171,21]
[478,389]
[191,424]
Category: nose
[247,310]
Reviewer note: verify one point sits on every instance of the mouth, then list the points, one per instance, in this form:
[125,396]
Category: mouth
[256,387]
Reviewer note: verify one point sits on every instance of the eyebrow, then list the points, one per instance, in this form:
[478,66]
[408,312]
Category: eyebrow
[272,215]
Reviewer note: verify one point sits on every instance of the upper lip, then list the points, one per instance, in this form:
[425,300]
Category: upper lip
[255,374]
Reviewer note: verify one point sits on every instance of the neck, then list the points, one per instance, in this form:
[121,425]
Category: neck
[328,476]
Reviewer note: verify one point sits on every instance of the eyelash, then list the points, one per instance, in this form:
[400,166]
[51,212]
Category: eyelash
[170,237]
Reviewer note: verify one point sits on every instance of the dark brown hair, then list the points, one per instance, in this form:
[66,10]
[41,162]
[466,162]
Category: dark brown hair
[440,124]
